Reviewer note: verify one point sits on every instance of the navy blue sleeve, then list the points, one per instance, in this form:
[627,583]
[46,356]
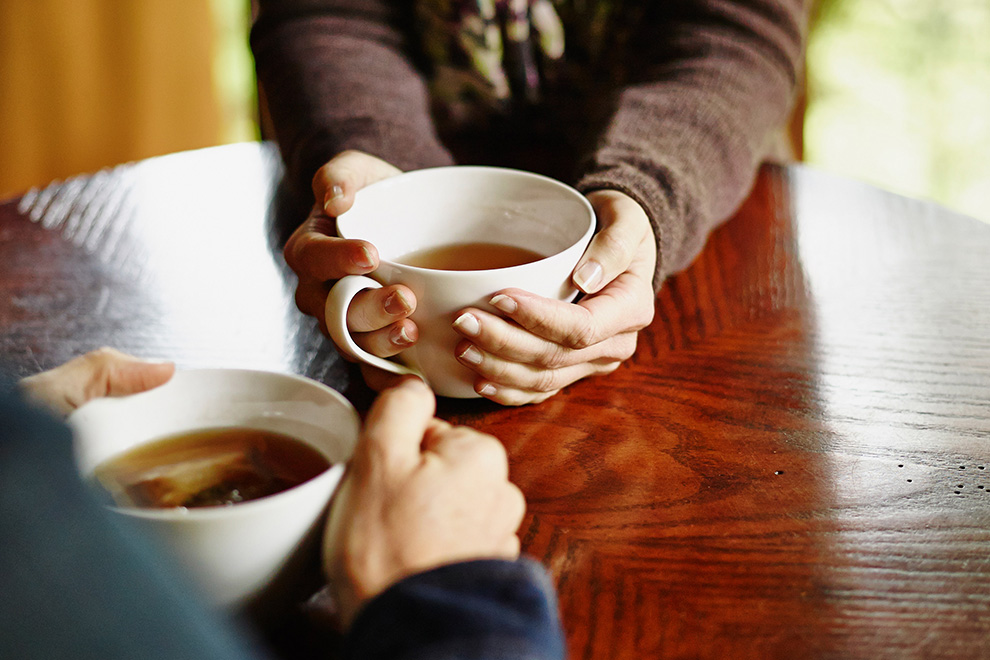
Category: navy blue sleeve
[73,583]
[476,610]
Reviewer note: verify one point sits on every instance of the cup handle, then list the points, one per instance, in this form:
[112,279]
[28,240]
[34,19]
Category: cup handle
[335,313]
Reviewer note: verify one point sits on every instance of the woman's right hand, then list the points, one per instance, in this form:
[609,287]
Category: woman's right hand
[378,318]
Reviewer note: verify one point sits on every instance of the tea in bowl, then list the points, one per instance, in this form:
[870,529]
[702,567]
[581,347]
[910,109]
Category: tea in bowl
[231,469]
[456,236]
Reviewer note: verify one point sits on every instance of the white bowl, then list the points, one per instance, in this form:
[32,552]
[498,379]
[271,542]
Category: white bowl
[235,553]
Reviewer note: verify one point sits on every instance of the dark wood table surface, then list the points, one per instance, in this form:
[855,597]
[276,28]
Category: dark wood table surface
[794,464]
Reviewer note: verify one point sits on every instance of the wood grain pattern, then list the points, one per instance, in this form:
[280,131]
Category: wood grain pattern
[795,463]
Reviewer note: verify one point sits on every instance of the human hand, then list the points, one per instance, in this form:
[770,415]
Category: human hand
[377,318]
[418,493]
[543,345]
[100,373]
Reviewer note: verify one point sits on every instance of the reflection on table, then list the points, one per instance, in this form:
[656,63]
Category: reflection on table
[795,463]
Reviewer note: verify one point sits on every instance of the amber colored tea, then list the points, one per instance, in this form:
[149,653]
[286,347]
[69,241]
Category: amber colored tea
[470,256]
[209,467]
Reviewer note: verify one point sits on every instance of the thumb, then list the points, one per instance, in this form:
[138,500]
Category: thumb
[394,428]
[335,184]
[99,373]
[623,224]
[132,375]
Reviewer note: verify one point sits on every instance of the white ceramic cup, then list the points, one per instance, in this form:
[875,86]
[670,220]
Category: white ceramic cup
[450,205]
[235,553]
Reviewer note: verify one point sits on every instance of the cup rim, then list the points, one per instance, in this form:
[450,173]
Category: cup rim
[332,474]
[443,273]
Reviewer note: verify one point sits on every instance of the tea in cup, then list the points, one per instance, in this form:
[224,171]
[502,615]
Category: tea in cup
[456,236]
[232,469]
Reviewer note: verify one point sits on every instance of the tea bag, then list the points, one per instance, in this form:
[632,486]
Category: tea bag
[213,480]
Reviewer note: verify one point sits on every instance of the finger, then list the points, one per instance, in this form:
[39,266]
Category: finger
[132,375]
[545,375]
[574,334]
[489,334]
[335,184]
[380,380]
[624,227]
[314,252]
[434,433]
[393,431]
[510,396]
[311,297]
[499,373]
[99,373]
[510,516]
[512,547]
[374,309]
[626,304]
[515,507]
[472,450]
[390,340]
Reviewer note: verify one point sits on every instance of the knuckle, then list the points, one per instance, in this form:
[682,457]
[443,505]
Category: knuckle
[512,547]
[289,252]
[101,361]
[321,180]
[608,367]
[303,252]
[489,454]
[304,299]
[554,357]
[103,354]
[546,381]
[611,245]
[360,317]
[539,397]
[496,343]
[582,335]
[496,370]
[515,502]
[300,298]
[645,312]
[627,346]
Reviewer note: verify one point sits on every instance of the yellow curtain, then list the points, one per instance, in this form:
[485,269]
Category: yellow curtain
[90,83]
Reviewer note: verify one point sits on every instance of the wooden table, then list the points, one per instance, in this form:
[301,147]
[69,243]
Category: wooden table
[795,463]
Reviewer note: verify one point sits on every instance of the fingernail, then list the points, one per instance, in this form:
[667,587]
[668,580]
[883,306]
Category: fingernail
[336,190]
[396,304]
[504,303]
[399,337]
[588,275]
[468,324]
[471,355]
[487,390]
[363,258]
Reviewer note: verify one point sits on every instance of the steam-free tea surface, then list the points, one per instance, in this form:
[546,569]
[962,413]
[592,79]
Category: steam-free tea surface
[209,467]
[470,256]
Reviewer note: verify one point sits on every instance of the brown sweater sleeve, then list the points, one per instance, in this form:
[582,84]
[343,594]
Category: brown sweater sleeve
[716,84]
[715,81]
[336,75]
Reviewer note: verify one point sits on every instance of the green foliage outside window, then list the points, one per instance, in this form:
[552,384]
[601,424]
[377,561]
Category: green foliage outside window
[899,95]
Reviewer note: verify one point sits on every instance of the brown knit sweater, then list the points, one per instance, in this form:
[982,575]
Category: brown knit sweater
[681,126]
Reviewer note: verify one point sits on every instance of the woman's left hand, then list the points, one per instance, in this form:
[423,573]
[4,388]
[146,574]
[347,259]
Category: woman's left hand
[540,346]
